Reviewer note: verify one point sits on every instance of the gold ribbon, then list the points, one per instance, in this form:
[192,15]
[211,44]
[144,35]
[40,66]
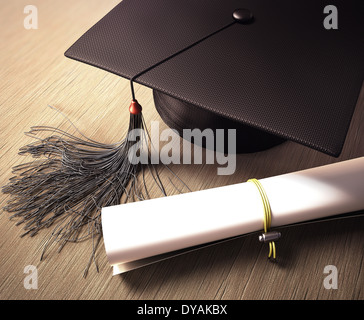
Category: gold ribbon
[267,215]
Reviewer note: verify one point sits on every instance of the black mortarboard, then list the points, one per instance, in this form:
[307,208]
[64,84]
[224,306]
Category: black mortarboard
[273,70]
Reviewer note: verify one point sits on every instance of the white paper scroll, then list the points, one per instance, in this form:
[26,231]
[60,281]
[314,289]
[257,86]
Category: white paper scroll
[135,233]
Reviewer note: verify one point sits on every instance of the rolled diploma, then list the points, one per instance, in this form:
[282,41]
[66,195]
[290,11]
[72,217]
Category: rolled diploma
[148,228]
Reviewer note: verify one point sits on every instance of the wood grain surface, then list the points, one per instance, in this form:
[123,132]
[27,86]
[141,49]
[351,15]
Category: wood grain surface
[35,74]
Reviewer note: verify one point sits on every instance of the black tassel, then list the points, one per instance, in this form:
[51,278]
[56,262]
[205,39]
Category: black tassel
[72,179]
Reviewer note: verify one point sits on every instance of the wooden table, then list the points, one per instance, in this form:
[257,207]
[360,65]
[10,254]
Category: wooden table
[35,74]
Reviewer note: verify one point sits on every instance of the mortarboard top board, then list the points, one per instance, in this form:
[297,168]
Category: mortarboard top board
[272,71]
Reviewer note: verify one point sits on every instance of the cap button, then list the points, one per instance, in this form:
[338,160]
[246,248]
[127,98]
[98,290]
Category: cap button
[243,15]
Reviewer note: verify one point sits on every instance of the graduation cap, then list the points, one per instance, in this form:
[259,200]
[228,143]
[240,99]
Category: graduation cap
[272,70]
